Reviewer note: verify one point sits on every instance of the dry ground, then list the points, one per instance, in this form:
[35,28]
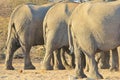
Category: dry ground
[36,54]
[38,74]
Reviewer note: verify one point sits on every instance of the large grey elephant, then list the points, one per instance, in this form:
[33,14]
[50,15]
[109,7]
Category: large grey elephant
[55,29]
[25,30]
[93,27]
[103,60]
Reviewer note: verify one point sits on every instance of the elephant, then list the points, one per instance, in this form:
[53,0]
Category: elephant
[24,20]
[103,59]
[93,27]
[55,30]
[25,30]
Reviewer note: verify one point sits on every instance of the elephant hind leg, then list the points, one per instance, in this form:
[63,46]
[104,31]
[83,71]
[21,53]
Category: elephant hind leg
[104,60]
[47,59]
[27,60]
[78,62]
[12,46]
[57,60]
[93,72]
[115,60]
[60,61]
[64,61]
[87,64]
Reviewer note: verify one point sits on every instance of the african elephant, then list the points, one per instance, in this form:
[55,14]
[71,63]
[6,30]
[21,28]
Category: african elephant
[103,59]
[93,27]
[55,29]
[24,20]
[25,30]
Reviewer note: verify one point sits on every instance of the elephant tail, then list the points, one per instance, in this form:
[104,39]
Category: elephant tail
[70,39]
[44,31]
[10,25]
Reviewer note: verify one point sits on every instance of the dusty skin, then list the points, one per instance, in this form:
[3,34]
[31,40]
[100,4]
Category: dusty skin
[38,74]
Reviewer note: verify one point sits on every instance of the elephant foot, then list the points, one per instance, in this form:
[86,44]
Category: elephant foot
[61,68]
[112,69]
[86,69]
[95,76]
[69,67]
[9,68]
[58,68]
[102,66]
[78,76]
[46,67]
[29,67]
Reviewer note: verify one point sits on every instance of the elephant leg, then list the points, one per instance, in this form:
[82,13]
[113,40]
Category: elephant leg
[83,59]
[97,58]
[93,72]
[57,60]
[11,48]
[47,59]
[115,60]
[27,60]
[87,64]
[63,59]
[52,60]
[70,56]
[72,60]
[78,62]
[104,60]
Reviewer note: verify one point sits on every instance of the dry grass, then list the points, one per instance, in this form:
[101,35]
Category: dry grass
[3,32]
[6,6]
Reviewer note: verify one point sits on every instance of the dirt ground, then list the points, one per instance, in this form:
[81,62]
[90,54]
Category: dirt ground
[20,74]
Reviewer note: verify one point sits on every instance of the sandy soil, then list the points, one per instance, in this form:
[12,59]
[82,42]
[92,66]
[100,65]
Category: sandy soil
[38,74]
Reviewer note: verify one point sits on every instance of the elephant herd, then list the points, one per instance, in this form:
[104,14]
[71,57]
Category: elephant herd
[78,29]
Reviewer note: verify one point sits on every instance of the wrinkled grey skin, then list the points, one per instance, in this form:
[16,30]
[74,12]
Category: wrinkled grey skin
[55,29]
[93,27]
[25,30]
